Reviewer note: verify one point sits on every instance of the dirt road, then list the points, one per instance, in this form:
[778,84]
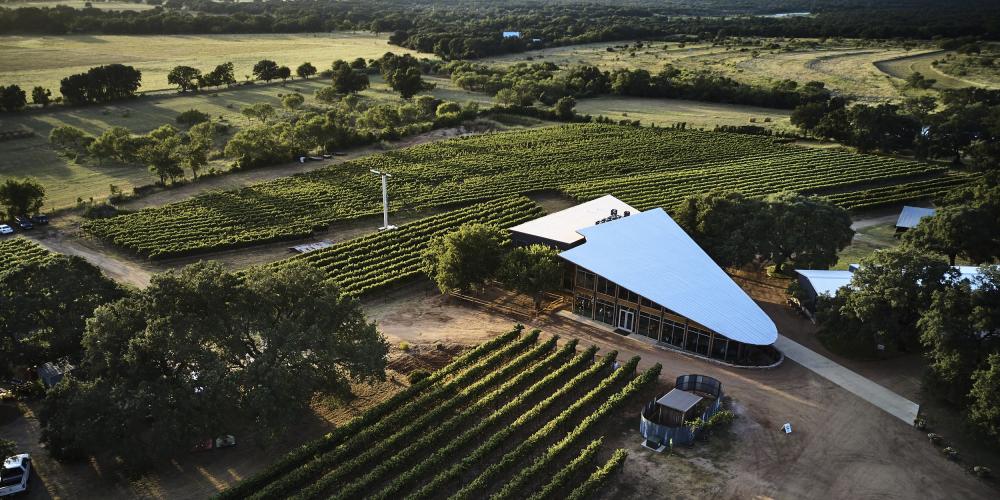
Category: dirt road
[241,178]
[123,270]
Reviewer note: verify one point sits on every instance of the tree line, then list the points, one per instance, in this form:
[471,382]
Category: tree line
[962,124]
[455,31]
[161,369]
[525,83]
[911,298]
[338,119]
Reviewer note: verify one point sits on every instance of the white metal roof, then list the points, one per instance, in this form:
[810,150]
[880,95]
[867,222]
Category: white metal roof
[910,216]
[563,226]
[679,400]
[649,254]
[826,282]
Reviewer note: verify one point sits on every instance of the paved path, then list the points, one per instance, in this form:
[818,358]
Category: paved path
[892,403]
[883,398]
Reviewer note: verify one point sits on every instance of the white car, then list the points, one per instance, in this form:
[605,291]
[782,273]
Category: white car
[5,229]
[15,474]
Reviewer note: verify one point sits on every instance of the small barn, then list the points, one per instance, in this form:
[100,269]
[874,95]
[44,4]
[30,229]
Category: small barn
[909,217]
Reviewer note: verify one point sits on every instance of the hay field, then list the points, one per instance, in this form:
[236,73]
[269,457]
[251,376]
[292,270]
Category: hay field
[697,114]
[31,61]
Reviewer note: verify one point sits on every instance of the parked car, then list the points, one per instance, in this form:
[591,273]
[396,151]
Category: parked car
[15,475]
[5,229]
[40,219]
[23,222]
[211,444]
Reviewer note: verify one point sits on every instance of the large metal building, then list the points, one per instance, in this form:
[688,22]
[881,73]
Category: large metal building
[640,273]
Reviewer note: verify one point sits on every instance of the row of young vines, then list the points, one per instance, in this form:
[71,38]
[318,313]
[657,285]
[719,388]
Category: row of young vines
[516,417]
[379,260]
[582,160]
[17,251]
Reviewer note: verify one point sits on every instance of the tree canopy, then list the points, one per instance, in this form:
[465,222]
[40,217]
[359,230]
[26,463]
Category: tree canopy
[883,302]
[203,352]
[466,257]
[346,79]
[43,307]
[21,197]
[736,230]
[533,270]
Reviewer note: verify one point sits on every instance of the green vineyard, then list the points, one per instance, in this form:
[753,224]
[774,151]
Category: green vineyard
[516,417]
[643,166]
[17,251]
[373,262]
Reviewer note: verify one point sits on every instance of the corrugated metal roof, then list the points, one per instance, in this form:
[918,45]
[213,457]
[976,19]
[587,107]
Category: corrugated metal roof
[563,225]
[910,216]
[679,400]
[826,282]
[649,254]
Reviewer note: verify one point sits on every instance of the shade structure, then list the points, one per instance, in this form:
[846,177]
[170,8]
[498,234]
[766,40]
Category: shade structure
[679,400]
[649,254]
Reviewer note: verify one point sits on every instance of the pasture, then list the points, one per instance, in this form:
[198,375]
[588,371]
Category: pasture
[847,67]
[696,114]
[903,67]
[33,60]
[66,181]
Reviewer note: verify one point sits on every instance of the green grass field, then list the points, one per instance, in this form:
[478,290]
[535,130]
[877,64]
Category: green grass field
[65,181]
[30,60]
[866,241]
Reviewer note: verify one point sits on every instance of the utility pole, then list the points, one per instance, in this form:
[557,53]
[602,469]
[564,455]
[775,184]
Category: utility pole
[385,200]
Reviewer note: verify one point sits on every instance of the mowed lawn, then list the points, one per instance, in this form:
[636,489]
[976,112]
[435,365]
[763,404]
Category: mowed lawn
[31,60]
[65,181]
[696,114]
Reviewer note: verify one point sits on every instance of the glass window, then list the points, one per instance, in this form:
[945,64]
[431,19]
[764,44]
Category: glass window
[584,306]
[649,325]
[697,341]
[720,346]
[673,333]
[605,311]
[585,279]
[605,286]
[625,294]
